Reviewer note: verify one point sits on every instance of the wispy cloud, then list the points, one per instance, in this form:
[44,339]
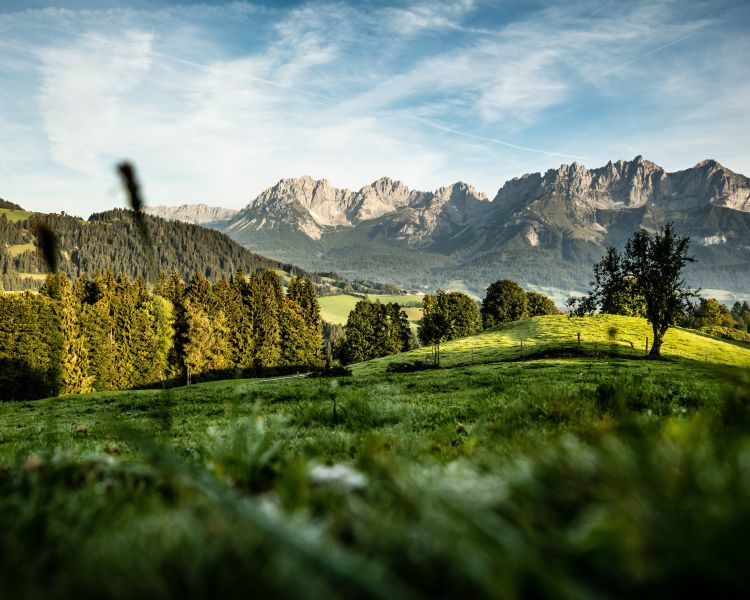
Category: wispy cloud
[214,103]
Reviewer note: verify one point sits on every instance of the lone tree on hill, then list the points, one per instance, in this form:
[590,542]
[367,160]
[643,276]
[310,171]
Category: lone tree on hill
[649,271]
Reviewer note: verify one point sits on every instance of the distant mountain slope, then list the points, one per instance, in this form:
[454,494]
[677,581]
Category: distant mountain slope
[541,229]
[197,214]
[9,205]
[110,240]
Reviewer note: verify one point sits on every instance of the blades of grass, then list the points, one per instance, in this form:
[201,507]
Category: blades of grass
[362,575]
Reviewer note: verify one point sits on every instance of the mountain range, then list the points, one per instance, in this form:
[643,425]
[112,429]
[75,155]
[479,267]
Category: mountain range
[544,230]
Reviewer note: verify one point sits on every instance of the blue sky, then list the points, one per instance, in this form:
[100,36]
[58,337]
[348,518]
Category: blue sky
[214,102]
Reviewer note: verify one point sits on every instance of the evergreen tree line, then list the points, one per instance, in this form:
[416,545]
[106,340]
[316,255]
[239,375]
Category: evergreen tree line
[109,332]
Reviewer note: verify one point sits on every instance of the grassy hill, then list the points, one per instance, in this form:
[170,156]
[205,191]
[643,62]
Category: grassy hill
[599,333]
[550,477]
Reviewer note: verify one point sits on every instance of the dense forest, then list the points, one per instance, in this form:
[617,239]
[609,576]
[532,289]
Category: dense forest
[110,240]
[110,332]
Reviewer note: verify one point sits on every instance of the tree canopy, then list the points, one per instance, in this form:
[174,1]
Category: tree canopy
[505,301]
[447,316]
[374,329]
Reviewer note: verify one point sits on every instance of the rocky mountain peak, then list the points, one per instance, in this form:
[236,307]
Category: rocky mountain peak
[380,197]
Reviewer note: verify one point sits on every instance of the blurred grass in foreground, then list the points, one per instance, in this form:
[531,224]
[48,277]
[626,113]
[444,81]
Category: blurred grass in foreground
[560,478]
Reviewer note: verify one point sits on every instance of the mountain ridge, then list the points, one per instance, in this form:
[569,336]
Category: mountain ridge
[538,228]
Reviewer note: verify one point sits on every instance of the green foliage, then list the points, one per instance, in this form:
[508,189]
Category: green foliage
[111,333]
[505,302]
[539,304]
[206,345]
[301,341]
[727,333]
[267,292]
[374,329]
[74,358]
[445,317]
[709,312]
[448,316]
[31,343]
[741,315]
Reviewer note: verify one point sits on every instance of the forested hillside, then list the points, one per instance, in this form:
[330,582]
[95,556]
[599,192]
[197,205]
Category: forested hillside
[9,205]
[110,240]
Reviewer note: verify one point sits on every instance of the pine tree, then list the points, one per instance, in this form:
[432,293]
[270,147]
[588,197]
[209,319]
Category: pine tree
[266,328]
[206,347]
[300,342]
[239,322]
[74,364]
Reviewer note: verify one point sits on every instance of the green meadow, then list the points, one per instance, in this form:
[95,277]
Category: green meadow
[562,472]
[15,215]
[336,309]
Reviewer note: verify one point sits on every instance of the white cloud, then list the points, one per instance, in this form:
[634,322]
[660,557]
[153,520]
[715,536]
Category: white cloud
[351,94]
[82,96]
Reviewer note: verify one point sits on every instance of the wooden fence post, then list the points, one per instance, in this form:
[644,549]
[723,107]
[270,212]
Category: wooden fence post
[646,344]
[579,340]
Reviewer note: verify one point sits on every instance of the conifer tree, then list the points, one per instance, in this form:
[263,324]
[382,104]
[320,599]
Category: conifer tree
[300,342]
[206,347]
[239,322]
[74,363]
[266,328]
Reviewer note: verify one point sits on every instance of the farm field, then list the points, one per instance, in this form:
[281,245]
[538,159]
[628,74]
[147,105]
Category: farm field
[336,309]
[17,249]
[544,476]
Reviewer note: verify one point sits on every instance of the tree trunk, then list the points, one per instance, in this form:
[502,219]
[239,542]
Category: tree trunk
[656,345]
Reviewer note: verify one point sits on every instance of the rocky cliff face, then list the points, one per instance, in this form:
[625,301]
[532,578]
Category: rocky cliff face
[198,214]
[632,184]
[316,207]
[574,201]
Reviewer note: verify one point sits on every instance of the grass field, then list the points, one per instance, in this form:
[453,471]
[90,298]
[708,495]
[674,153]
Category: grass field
[336,309]
[15,215]
[563,477]
[17,249]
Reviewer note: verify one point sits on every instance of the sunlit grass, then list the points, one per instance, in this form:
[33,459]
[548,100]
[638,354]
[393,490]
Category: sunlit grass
[15,215]
[599,333]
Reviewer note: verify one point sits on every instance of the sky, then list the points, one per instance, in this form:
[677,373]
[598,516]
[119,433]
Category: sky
[216,101]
